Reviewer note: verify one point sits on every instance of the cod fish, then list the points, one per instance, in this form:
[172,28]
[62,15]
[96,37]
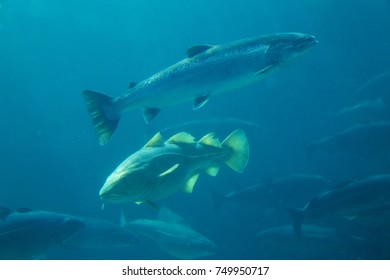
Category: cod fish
[26,234]
[174,237]
[160,168]
[208,70]
[350,199]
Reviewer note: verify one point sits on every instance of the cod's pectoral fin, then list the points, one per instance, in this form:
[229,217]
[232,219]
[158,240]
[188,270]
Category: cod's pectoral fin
[212,170]
[210,140]
[189,187]
[265,69]
[181,138]
[150,113]
[200,101]
[169,170]
[194,50]
[156,141]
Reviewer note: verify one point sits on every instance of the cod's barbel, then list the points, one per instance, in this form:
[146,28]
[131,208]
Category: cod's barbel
[160,168]
[208,70]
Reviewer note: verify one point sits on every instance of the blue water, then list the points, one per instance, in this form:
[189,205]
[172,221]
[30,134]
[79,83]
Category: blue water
[50,159]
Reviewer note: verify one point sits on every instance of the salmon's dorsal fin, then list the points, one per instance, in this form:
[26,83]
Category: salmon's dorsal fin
[210,140]
[181,138]
[156,141]
[189,187]
[194,50]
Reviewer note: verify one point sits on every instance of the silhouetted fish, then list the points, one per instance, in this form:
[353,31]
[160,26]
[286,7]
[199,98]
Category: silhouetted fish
[26,234]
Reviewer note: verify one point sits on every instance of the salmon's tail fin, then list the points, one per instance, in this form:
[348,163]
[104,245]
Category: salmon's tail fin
[104,119]
[296,216]
[239,146]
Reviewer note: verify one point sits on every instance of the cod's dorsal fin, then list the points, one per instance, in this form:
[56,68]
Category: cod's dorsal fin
[156,141]
[200,101]
[194,50]
[210,140]
[189,187]
[169,170]
[132,84]
[181,138]
[150,113]
[4,212]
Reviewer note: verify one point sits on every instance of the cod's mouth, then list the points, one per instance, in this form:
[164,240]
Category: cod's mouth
[111,197]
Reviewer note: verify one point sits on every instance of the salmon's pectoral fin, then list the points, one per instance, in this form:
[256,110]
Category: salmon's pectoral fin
[265,69]
[150,113]
[200,101]
[104,118]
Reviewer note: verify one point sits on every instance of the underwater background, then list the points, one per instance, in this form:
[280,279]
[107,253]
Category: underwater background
[51,51]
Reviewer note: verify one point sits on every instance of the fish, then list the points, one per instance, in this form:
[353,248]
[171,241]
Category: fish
[365,111]
[315,242]
[349,199]
[28,234]
[101,234]
[160,168]
[206,71]
[277,192]
[376,87]
[174,237]
[366,139]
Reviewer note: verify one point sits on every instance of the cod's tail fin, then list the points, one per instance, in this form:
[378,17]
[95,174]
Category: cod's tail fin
[239,146]
[296,216]
[98,106]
